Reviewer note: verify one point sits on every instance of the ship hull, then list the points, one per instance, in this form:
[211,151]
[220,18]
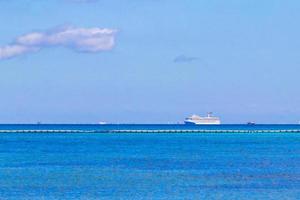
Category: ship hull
[202,123]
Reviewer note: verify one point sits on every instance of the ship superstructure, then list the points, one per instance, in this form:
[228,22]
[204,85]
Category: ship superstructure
[209,119]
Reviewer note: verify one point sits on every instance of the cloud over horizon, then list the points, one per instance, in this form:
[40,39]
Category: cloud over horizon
[89,40]
[184,59]
[82,1]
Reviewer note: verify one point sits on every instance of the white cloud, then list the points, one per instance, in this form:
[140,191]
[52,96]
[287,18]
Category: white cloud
[78,39]
[14,50]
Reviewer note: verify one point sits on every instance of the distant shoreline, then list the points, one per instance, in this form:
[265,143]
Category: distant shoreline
[141,131]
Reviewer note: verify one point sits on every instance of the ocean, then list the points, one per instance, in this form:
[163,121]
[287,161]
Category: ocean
[149,166]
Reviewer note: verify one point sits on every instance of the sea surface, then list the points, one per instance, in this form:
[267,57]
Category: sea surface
[149,166]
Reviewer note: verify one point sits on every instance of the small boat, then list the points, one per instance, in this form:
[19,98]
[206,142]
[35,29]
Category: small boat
[250,123]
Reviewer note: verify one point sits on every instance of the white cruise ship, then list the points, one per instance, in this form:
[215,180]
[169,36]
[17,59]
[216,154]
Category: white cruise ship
[209,119]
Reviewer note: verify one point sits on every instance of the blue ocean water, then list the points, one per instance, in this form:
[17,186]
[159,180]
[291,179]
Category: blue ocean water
[149,166]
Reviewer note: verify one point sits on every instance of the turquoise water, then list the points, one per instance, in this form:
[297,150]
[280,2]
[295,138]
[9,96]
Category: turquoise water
[149,166]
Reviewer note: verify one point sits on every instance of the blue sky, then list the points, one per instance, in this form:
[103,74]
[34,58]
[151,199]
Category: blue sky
[149,61]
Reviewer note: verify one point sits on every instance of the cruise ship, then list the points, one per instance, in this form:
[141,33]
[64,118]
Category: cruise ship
[208,120]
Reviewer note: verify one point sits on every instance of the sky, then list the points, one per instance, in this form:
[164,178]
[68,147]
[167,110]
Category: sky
[149,61]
